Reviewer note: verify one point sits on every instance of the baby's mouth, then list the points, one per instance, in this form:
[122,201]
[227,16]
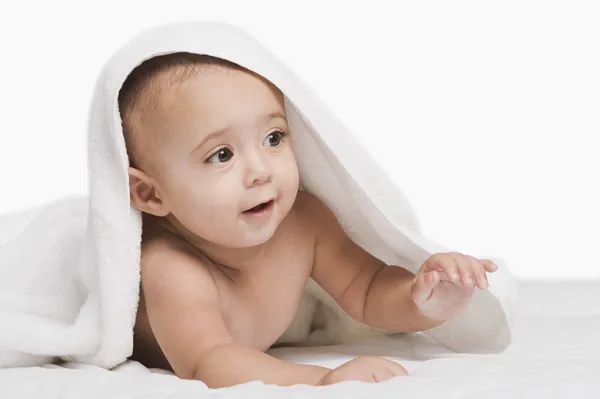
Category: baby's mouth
[260,207]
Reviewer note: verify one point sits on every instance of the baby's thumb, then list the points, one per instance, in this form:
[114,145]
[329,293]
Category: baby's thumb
[424,284]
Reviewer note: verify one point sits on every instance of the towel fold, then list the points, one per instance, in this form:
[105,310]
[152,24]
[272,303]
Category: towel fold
[70,270]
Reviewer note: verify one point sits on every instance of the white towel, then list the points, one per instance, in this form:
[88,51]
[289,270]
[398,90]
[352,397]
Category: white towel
[69,271]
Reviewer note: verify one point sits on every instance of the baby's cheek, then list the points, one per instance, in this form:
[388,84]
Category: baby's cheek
[210,222]
[290,175]
[198,205]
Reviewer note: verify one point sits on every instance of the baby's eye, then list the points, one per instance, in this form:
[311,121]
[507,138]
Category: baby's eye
[221,156]
[274,139]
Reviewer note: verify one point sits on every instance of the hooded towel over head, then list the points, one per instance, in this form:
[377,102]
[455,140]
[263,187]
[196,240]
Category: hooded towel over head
[70,270]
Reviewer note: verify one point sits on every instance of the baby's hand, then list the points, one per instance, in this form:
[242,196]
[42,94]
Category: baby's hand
[444,285]
[365,368]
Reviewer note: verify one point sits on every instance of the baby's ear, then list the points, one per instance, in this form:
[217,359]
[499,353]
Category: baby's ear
[143,194]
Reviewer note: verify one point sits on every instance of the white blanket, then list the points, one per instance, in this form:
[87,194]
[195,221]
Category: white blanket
[555,354]
[69,271]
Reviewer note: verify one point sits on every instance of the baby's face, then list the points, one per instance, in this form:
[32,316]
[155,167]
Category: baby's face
[224,151]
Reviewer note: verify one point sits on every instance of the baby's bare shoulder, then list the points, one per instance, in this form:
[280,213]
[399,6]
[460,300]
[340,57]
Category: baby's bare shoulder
[312,213]
[169,265]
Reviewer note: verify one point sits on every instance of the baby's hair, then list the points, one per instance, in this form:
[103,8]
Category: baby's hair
[139,94]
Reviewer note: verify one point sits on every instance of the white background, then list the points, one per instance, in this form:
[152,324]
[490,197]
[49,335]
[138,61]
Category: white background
[486,114]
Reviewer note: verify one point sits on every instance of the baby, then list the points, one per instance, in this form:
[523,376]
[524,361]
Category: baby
[229,241]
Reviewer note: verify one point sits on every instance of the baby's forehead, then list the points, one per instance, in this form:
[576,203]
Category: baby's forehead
[209,101]
[216,92]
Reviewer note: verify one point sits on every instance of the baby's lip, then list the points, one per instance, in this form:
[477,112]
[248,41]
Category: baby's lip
[272,199]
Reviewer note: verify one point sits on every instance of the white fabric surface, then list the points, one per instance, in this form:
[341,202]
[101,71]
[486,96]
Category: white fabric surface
[555,354]
[69,271]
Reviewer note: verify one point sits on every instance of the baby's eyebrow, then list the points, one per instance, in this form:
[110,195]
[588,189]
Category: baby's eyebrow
[213,135]
[275,115]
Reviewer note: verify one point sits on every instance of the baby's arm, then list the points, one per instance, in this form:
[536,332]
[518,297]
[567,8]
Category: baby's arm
[184,312]
[365,287]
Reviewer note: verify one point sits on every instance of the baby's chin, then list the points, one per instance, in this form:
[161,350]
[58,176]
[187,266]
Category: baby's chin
[254,241]
[251,236]
[241,240]
[240,235]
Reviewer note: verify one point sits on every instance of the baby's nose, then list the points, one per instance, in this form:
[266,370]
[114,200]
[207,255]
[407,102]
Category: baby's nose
[258,172]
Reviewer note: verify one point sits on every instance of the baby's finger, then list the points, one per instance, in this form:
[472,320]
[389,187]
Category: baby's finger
[448,265]
[466,274]
[396,369]
[382,375]
[424,285]
[478,272]
[489,265]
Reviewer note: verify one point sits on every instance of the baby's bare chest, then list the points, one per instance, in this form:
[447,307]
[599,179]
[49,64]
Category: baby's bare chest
[258,313]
